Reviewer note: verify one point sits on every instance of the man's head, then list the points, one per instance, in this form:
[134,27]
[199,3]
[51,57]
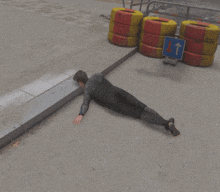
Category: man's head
[81,78]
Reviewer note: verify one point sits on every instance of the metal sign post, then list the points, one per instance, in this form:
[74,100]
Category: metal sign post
[173,50]
[171,61]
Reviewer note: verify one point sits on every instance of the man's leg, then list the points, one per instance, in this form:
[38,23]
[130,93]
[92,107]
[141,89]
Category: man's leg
[127,109]
[148,114]
[128,105]
[126,97]
[152,117]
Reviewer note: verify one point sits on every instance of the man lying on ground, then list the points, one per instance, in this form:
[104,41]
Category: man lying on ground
[99,89]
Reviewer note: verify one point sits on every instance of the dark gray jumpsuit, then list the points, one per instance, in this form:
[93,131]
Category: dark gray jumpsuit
[99,89]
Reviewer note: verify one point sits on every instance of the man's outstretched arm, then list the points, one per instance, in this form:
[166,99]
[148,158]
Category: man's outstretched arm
[84,107]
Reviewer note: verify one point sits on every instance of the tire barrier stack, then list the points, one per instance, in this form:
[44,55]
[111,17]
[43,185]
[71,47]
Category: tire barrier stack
[124,27]
[153,32]
[201,42]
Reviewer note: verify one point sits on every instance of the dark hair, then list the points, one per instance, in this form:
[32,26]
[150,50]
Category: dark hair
[80,76]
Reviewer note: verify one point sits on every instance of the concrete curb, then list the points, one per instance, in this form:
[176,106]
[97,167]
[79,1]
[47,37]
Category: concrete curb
[49,102]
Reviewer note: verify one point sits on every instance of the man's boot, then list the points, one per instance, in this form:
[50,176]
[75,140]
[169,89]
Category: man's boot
[171,127]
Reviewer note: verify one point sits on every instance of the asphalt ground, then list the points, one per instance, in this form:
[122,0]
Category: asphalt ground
[110,152]
[50,40]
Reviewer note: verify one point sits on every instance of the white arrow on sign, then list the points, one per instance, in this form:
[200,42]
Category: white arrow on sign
[178,46]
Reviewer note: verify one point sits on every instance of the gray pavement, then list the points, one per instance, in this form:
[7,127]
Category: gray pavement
[110,152]
[50,43]
[107,151]
[38,37]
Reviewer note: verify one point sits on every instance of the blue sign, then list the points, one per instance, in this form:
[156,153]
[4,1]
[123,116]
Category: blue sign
[173,47]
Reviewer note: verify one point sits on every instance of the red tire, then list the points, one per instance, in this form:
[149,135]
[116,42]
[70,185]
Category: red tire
[197,60]
[124,30]
[150,51]
[126,16]
[122,41]
[159,26]
[200,31]
[152,40]
[201,48]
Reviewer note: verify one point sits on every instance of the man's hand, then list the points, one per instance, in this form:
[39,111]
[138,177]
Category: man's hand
[78,119]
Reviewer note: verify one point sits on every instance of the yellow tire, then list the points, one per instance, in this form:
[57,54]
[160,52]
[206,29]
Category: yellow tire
[200,31]
[122,41]
[152,40]
[197,60]
[201,48]
[126,16]
[159,26]
[150,51]
[124,30]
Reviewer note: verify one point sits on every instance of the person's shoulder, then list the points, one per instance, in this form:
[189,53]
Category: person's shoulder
[94,80]
[97,76]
